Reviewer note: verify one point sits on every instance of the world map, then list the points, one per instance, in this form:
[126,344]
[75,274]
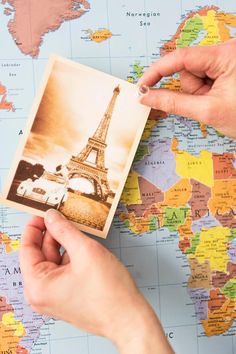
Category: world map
[175,227]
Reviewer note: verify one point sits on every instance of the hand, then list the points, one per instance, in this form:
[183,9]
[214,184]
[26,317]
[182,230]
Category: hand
[86,286]
[208,85]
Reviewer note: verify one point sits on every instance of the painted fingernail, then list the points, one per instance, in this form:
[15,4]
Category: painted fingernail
[52,215]
[143,90]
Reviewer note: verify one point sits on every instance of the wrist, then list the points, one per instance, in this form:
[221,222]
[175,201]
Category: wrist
[140,331]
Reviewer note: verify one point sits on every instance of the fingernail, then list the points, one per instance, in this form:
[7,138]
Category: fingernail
[142,90]
[53,215]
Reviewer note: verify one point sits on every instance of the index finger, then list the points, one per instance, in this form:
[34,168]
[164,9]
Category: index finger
[31,244]
[190,59]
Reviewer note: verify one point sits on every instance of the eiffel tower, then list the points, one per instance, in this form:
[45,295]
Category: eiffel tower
[90,162]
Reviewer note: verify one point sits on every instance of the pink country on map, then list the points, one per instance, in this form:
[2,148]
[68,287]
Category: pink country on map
[4,104]
[33,19]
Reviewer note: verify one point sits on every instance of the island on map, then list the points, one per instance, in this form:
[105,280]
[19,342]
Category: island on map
[33,19]
[99,36]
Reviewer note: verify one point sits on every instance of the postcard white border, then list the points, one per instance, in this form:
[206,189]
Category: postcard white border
[27,130]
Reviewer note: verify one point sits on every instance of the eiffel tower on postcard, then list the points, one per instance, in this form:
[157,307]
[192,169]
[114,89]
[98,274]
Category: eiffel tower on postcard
[90,162]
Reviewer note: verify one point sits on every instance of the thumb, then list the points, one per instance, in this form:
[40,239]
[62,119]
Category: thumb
[64,231]
[198,107]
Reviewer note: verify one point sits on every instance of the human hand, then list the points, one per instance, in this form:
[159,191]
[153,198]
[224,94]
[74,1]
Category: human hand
[86,286]
[208,85]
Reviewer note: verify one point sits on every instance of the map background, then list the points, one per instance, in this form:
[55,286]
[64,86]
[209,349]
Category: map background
[156,262]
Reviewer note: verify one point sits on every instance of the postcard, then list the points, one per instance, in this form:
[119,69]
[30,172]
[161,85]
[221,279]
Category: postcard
[78,146]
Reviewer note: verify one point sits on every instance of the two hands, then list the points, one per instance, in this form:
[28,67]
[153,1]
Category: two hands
[87,286]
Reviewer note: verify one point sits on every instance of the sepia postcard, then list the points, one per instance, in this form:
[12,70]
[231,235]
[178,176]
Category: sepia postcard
[78,146]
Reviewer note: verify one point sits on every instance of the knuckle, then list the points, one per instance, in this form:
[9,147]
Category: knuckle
[35,297]
[91,251]
[62,228]
[93,247]
[209,113]
[181,52]
[183,74]
[171,104]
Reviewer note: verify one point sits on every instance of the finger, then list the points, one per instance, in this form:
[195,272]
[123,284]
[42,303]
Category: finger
[200,74]
[192,84]
[64,231]
[230,41]
[31,253]
[201,108]
[51,249]
[190,59]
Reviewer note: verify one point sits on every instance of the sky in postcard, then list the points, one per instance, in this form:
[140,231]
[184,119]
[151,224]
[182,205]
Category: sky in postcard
[72,107]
